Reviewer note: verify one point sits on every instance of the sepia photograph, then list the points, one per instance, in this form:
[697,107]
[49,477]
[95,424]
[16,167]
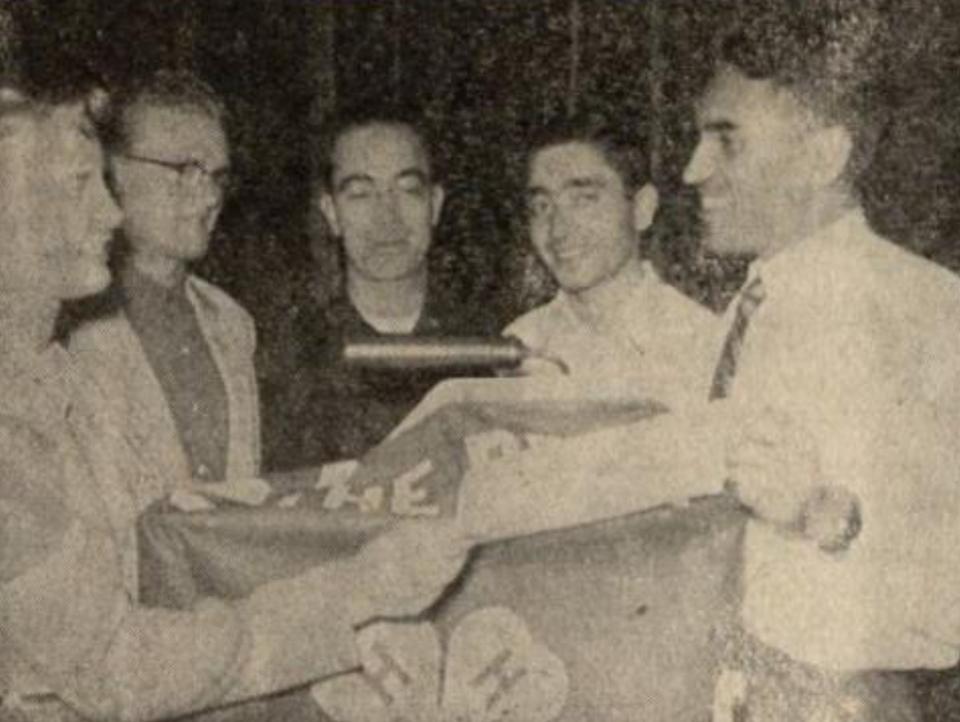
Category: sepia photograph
[479,360]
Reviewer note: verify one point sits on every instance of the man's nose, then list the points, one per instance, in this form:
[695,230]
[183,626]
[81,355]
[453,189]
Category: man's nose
[107,212]
[210,192]
[387,211]
[700,166]
[559,224]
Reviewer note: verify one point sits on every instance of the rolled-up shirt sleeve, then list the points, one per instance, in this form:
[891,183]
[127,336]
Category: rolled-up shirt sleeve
[603,474]
[65,614]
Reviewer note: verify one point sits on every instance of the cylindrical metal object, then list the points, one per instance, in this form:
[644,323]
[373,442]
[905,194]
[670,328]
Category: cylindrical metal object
[419,352]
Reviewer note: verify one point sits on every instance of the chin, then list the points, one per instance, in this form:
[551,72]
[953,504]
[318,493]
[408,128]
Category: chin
[723,241]
[192,244]
[575,279]
[196,250]
[88,283]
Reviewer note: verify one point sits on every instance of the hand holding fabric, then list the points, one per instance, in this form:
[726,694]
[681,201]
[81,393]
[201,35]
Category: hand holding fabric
[773,466]
[402,572]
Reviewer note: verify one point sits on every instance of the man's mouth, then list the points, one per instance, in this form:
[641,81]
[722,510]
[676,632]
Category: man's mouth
[572,253]
[389,246]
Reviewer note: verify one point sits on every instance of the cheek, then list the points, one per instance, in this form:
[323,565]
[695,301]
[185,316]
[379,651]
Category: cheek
[608,230]
[417,217]
[355,223]
[354,244]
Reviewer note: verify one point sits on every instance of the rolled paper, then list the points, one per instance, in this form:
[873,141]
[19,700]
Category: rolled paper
[440,352]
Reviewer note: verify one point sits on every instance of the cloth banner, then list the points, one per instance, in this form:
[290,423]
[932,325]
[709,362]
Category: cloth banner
[611,620]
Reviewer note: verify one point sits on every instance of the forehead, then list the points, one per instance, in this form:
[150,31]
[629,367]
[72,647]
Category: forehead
[558,165]
[733,98]
[175,133]
[380,151]
[62,139]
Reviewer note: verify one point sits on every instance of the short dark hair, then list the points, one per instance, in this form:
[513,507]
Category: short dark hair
[163,89]
[324,141]
[825,52]
[624,146]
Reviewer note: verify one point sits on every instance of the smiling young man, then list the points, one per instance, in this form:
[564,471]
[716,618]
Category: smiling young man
[178,354]
[614,321]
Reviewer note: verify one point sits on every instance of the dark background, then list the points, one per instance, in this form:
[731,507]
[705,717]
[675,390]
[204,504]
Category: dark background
[483,71]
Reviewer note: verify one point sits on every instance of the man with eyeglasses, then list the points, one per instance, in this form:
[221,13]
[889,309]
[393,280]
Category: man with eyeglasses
[178,355]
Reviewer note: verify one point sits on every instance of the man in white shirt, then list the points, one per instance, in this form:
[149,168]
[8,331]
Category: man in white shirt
[836,396]
[614,321]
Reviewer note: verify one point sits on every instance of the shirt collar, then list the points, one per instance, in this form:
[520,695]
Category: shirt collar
[795,264]
[642,282]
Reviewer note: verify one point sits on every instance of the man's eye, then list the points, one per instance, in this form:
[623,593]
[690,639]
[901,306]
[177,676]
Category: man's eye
[728,143]
[585,197]
[537,207]
[412,187]
[358,192]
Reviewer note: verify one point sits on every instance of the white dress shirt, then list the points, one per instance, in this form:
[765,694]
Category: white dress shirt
[857,342]
[653,345]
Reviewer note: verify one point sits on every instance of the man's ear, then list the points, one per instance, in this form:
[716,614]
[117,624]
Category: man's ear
[329,210]
[437,195]
[645,203]
[830,150]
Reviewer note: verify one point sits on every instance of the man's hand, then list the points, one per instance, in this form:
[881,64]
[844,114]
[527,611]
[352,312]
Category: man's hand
[773,466]
[402,572]
[831,517]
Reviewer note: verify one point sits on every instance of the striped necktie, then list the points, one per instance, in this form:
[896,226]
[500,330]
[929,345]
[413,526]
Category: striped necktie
[750,299]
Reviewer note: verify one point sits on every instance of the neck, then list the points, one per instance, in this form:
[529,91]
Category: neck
[395,298]
[27,322]
[166,271]
[600,304]
[821,212]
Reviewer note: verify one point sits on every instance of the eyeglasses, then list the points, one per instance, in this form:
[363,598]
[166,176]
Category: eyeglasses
[189,172]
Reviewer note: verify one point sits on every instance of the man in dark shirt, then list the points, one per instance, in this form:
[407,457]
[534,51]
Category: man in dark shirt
[378,194]
[178,357]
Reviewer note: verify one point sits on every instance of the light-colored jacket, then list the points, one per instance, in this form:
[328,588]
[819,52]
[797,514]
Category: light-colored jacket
[110,351]
[68,622]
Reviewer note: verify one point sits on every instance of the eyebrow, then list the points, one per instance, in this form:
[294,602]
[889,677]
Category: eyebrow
[719,126]
[590,181]
[353,178]
[414,173]
[575,183]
